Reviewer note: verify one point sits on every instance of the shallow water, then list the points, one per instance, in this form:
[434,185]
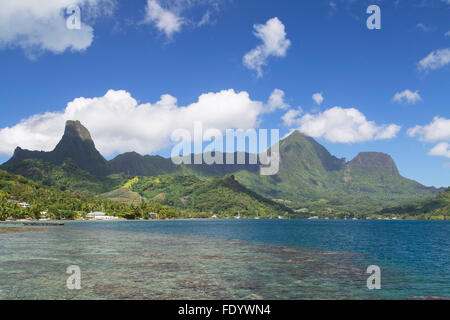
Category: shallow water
[228,259]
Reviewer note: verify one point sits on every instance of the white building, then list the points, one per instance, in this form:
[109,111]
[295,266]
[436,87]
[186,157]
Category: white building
[100,216]
[24,205]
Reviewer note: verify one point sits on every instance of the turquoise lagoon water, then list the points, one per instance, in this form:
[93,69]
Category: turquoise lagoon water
[228,259]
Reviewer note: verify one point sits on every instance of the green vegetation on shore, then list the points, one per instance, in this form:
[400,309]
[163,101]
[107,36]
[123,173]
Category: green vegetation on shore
[221,196]
[70,205]
[436,208]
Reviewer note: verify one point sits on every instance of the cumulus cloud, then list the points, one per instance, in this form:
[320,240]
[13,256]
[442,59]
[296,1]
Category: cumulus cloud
[276,101]
[435,60]
[274,43]
[342,125]
[437,130]
[318,98]
[441,149]
[407,96]
[118,123]
[36,25]
[447,34]
[291,117]
[164,19]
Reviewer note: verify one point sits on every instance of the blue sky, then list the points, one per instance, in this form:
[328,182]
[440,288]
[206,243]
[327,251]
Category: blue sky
[142,54]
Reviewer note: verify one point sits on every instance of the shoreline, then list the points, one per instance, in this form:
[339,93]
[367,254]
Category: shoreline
[61,222]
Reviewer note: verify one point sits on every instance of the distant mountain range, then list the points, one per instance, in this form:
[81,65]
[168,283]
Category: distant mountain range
[309,179]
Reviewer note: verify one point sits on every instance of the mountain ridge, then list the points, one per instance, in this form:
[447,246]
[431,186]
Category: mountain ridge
[76,144]
[309,175]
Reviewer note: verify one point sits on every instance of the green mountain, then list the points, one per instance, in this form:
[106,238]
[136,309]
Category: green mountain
[123,195]
[76,144]
[66,176]
[132,163]
[222,196]
[436,208]
[310,179]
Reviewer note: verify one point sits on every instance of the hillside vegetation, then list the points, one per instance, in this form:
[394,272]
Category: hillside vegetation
[221,196]
[436,208]
[67,176]
[69,205]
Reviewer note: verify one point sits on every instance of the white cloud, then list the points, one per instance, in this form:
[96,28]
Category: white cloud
[36,25]
[206,19]
[171,16]
[290,118]
[343,125]
[424,27]
[407,96]
[438,130]
[118,123]
[318,98]
[435,60]
[441,149]
[276,101]
[164,19]
[273,36]
[447,34]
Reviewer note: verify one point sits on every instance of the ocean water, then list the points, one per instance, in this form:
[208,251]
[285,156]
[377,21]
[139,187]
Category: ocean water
[228,259]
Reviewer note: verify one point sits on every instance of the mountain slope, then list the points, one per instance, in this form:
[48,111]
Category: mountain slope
[437,207]
[222,196]
[132,163]
[67,176]
[309,177]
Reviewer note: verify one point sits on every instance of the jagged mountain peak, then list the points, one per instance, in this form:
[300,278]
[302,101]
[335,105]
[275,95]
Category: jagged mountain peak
[298,147]
[75,129]
[76,144]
